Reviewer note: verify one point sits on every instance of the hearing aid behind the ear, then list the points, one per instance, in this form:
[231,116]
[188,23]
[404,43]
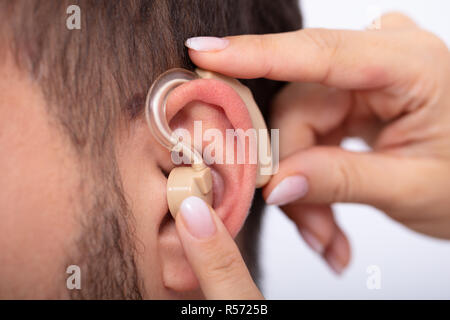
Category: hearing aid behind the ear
[197,179]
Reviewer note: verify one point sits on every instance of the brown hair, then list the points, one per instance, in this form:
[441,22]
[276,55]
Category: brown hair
[94,76]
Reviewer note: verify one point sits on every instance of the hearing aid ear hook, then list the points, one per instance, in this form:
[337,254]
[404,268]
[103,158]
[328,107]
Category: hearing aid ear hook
[155,110]
[197,179]
[182,181]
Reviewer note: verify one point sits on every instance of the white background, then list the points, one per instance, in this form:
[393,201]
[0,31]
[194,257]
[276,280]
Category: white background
[412,265]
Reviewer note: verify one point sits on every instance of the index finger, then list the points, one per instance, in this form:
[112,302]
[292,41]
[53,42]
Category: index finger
[212,253]
[340,58]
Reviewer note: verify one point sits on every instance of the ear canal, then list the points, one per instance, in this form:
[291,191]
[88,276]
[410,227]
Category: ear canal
[184,182]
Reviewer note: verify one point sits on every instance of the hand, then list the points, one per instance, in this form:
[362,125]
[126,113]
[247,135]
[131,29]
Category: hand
[213,254]
[390,87]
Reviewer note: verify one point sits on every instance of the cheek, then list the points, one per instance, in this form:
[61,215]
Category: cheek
[147,201]
[144,186]
[38,198]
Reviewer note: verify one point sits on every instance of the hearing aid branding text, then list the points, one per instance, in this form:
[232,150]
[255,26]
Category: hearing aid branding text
[239,146]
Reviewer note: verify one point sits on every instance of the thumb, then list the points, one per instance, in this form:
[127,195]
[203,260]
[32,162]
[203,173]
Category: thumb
[213,254]
[325,175]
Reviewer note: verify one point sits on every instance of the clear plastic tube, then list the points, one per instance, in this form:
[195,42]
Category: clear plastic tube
[155,113]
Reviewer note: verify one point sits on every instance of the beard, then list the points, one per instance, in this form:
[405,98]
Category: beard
[105,248]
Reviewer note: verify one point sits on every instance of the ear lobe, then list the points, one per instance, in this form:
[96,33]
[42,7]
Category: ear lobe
[177,274]
[219,107]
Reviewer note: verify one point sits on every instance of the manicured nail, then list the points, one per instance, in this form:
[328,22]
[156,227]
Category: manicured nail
[197,218]
[289,189]
[312,241]
[206,43]
[334,263]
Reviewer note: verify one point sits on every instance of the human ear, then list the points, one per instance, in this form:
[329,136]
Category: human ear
[219,108]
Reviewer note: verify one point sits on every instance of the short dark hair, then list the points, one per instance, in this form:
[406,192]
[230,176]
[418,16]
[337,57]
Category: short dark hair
[100,74]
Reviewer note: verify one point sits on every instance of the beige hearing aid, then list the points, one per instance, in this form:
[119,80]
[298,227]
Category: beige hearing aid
[195,180]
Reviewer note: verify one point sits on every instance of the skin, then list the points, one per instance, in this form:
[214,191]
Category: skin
[38,185]
[389,87]
[45,192]
[396,78]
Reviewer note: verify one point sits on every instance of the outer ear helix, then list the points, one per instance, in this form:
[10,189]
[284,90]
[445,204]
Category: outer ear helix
[264,170]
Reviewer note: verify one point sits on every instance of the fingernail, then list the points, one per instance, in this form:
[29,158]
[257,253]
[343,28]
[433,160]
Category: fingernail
[312,241]
[206,43]
[334,263]
[289,189]
[197,218]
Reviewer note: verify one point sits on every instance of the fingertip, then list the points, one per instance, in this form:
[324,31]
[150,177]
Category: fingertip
[338,254]
[315,224]
[312,241]
[197,218]
[206,44]
[289,189]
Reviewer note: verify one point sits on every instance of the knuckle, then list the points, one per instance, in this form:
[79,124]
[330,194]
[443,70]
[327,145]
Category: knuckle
[325,44]
[322,39]
[430,45]
[225,266]
[431,50]
[433,40]
[342,186]
[266,47]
